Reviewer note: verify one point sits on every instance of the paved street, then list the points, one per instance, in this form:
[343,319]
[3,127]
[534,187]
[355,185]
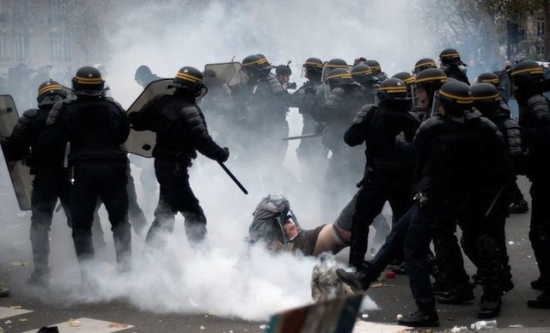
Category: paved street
[240,293]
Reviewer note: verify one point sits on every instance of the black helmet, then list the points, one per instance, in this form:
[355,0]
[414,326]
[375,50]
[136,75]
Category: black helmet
[339,77]
[143,72]
[49,92]
[362,73]
[406,77]
[88,79]
[374,66]
[486,98]
[189,78]
[336,63]
[314,65]
[450,57]
[283,70]
[455,97]
[423,64]
[255,64]
[527,73]
[488,77]
[392,89]
[430,79]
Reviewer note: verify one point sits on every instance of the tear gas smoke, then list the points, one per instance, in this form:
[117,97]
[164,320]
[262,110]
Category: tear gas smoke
[230,280]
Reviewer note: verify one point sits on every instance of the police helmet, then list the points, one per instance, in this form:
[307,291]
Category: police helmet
[455,97]
[431,79]
[143,72]
[283,70]
[450,57]
[527,73]
[313,65]
[49,92]
[362,73]
[339,77]
[191,79]
[423,64]
[374,66]
[336,63]
[88,78]
[406,77]
[392,89]
[486,98]
[255,64]
[489,77]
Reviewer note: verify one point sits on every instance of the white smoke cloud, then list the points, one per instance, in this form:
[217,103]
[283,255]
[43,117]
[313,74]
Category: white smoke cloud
[230,280]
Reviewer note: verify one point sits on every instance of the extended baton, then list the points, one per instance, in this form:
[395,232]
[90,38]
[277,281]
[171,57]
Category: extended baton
[233,177]
[301,137]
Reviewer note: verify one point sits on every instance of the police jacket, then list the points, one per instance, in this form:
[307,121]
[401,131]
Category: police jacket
[265,101]
[95,126]
[510,130]
[305,97]
[338,112]
[180,128]
[534,120]
[378,126]
[458,157]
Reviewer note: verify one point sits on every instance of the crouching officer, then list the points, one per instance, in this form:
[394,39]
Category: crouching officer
[181,130]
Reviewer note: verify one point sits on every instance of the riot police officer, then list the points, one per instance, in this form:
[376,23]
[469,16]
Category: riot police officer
[534,119]
[362,74]
[95,126]
[423,64]
[427,82]
[453,66]
[388,173]
[51,180]
[181,131]
[345,164]
[376,70]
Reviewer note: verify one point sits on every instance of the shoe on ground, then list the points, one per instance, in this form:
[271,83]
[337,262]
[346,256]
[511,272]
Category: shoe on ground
[420,318]
[4,292]
[458,295]
[518,207]
[358,281]
[489,307]
[541,302]
[540,284]
[39,280]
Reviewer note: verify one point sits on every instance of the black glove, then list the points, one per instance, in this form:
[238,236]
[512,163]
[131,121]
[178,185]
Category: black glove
[224,156]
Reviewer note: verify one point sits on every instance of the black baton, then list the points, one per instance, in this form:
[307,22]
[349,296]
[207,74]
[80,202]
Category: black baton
[233,177]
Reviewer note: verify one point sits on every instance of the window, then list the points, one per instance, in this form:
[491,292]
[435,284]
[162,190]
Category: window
[60,48]
[57,11]
[5,47]
[20,46]
[540,28]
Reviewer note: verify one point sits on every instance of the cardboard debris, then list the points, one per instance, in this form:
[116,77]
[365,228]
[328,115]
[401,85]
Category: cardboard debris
[118,325]
[74,322]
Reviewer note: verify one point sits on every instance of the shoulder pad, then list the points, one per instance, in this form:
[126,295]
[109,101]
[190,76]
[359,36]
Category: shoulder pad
[189,110]
[537,100]
[30,113]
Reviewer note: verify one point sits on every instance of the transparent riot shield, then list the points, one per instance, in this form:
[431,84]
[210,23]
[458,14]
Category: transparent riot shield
[435,104]
[142,142]
[20,174]
[228,73]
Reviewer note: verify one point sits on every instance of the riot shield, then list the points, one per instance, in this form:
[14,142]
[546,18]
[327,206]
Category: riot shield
[142,142]
[20,174]
[229,73]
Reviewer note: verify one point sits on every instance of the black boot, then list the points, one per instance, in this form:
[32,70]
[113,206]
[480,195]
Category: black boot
[541,302]
[420,318]
[358,281]
[460,294]
[490,305]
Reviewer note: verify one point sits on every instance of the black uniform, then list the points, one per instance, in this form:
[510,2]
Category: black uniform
[95,126]
[345,163]
[181,131]
[389,172]
[51,180]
